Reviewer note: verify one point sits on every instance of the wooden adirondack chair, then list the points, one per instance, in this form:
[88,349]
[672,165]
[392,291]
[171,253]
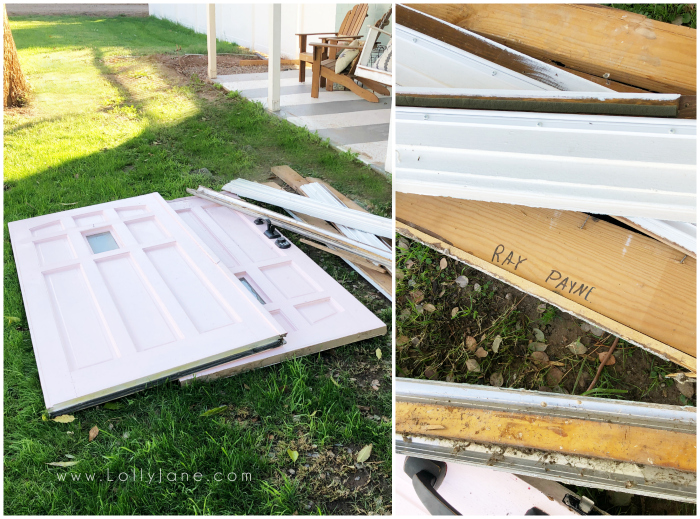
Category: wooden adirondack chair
[348,31]
[323,68]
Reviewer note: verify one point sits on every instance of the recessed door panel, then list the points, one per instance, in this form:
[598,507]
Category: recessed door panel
[313,308]
[123,294]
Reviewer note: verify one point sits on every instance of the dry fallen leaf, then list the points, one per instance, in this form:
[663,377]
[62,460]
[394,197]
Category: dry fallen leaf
[429,308]
[63,463]
[481,353]
[401,340]
[379,353]
[375,385]
[541,308]
[538,334]
[686,388]
[496,379]
[93,433]
[540,357]
[537,346]
[577,348]
[470,343]
[554,376]
[364,453]
[473,365]
[462,281]
[455,311]
[611,360]
[496,343]
[443,264]
[429,373]
[64,418]
[416,296]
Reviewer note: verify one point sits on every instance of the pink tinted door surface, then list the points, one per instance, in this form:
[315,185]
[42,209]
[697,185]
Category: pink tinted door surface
[315,311]
[122,294]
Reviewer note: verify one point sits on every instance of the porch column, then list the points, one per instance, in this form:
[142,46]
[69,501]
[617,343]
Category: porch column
[211,41]
[273,62]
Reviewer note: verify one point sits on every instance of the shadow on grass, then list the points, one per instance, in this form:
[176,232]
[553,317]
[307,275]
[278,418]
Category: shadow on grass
[294,405]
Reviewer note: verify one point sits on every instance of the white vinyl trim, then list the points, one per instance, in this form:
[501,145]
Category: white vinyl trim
[527,94]
[621,166]
[682,234]
[317,191]
[342,215]
[428,62]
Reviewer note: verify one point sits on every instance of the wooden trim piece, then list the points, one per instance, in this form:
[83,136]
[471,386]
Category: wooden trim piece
[304,229]
[482,48]
[345,255]
[382,281]
[338,214]
[635,287]
[610,441]
[626,47]
[630,104]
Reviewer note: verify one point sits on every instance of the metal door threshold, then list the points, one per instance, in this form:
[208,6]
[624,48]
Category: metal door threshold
[573,470]
[511,430]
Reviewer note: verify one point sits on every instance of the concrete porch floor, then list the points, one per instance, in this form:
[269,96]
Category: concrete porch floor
[349,122]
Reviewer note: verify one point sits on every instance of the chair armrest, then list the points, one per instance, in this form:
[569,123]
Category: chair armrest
[380,30]
[332,46]
[314,33]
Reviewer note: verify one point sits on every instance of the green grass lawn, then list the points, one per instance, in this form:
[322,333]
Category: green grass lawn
[107,121]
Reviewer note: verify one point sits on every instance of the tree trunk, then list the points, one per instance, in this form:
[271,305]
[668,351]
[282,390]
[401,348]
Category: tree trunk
[15,85]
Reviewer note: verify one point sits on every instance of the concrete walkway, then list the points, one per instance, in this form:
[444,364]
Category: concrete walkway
[349,122]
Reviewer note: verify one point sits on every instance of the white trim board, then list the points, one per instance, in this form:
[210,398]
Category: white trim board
[342,215]
[679,235]
[317,191]
[621,166]
[314,309]
[151,305]
[427,62]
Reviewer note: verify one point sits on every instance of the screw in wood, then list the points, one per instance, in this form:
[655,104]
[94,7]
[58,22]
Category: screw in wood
[584,222]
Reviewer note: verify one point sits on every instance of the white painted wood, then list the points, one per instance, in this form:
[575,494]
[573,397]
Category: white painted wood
[317,191]
[363,69]
[342,215]
[683,235]
[527,94]
[274,63]
[621,166]
[427,62]
[109,323]
[339,241]
[211,41]
[315,310]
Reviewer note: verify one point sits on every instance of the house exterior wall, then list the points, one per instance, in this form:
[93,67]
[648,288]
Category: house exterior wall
[247,24]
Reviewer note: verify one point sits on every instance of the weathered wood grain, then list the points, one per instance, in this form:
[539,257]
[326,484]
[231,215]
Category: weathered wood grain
[627,277]
[627,47]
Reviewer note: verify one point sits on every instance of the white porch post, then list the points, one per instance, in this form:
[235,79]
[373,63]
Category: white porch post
[273,62]
[211,41]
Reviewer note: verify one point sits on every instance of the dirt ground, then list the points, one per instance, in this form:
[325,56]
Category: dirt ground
[59,9]
[226,64]
[446,331]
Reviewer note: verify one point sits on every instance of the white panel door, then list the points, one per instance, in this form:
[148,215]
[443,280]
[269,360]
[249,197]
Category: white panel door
[122,295]
[313,308]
